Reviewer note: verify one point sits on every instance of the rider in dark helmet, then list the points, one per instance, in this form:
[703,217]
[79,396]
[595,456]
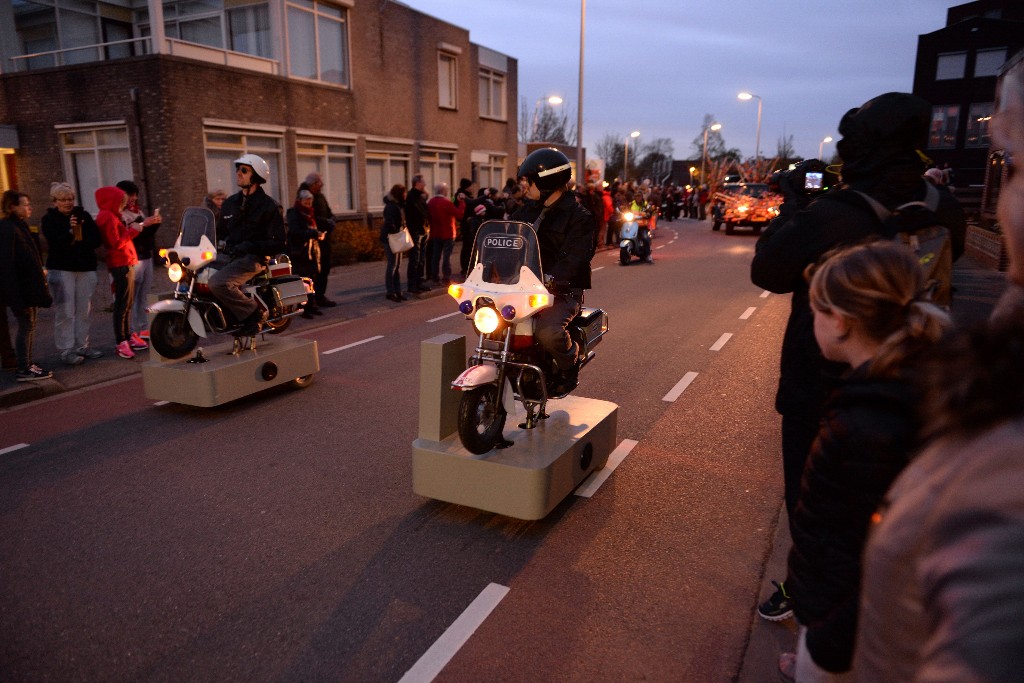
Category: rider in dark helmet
[254,230]
[565,234]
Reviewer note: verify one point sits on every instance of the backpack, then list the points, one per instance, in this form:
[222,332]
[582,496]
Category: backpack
[916,225]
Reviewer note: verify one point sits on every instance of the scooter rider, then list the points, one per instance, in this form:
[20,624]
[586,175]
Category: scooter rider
[254,229]
[565,235]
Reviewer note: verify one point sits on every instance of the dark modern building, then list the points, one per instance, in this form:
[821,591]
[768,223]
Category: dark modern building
[956,71]
[169,92]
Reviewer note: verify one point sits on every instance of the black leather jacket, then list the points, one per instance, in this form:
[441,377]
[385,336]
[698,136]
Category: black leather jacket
[252,224]
[566,238]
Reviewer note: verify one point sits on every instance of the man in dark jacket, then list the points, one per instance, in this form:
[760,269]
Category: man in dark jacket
[324,216]
[880,157]
[254,229]
[417,219]
[565,235]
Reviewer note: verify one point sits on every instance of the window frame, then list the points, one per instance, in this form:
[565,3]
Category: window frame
[944,124]
[387,154]
[251,140]
[437,165]
[994,71]
[68,154]
[493,165]
[451,74]
[979,116]
[344,21]
[344,148]
[943,62]
[496,81]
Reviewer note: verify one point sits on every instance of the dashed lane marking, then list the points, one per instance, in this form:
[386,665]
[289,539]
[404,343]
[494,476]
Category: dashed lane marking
[680,387]
[15,447]
[717,346]
[442,317]
[444,648]
[592,483]
[349,346]
[765,294]
[749,312]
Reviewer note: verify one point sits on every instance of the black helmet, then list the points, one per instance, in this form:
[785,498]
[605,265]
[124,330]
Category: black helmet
[546,168]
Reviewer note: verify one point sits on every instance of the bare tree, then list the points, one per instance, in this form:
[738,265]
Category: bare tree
[545,124]
[611,149]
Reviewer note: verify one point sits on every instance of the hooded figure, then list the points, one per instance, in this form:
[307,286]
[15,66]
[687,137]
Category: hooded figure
[116,236]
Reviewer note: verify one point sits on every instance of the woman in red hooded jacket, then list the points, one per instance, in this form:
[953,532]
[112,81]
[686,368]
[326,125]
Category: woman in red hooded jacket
[121,260]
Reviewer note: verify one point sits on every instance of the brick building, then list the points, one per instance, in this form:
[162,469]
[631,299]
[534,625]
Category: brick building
[169,92]
[956,71]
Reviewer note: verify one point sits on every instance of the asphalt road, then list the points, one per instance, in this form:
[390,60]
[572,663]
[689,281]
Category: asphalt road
[278,537]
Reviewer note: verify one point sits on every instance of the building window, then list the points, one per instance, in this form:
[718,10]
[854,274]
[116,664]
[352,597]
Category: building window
[333,160]
[979,115]
[318,41]
[490,171]
[437,166]
[492,94]
[945,120]
[224,145]
[95,156]
[987,62]
[43,26]
[194,21]
[386,165]
[249,30]
[950,66]
[447,81]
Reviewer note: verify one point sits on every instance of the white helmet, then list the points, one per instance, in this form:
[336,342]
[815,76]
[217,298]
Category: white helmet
[260,168]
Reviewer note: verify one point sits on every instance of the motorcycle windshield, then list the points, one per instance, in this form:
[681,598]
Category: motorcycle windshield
[504,247]
[197,221]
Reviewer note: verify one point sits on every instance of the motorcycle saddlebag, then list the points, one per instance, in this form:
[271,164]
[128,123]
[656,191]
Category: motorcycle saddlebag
[593,322]
[291,289]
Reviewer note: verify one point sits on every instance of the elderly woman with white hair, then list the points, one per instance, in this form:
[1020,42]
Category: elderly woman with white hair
[72,238]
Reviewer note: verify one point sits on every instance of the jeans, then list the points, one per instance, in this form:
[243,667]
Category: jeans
[393,275]
[549,329]
[124,294]
[440,259]
[226,285]
[143,283]
[23,339]
[72,304]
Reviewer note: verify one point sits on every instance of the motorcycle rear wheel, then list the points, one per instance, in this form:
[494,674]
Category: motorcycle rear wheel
[279,325]
[171,335]
[481,418]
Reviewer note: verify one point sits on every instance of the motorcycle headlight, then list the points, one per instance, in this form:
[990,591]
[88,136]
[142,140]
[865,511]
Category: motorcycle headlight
[628,216]
[174,272]
[486,319]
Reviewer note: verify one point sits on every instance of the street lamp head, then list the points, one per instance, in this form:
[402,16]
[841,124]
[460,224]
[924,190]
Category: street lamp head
[748,96]
[716,126]
[635,134]
[554,99]
[828,138]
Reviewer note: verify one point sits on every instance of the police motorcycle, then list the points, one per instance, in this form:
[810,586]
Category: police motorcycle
[194,312]
[635,235]
[504,291]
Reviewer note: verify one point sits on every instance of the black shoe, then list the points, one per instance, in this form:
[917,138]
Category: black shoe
[392,297]
[316,311]
[424,288]
[401,298]
[326,303]
[778,607]
[33,373]
[307,314]
[252,324]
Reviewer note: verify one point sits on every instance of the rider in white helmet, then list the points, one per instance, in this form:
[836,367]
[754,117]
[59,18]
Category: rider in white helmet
[253,230]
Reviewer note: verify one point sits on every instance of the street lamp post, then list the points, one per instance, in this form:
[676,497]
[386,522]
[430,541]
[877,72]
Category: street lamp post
[704,155]
[693,172]
[580,171]
[625,156]
[821,145]
[757,145]
[553,100]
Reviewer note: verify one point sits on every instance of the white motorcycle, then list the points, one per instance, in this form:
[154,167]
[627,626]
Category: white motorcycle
[194,312]
[504,291]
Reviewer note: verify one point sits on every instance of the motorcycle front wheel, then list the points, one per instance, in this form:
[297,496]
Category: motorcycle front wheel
[624,255]
[171,335]
[481,418]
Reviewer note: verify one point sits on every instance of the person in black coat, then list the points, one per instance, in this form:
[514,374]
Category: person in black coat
[870,314]
[23,286]
[565,236]
[304,240]
[393,222]
[417,219]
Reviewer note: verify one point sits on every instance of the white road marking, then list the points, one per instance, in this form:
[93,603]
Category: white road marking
[15,447]
[765,294]
[444,648]
[717,346]
[592,483]
[661,247]
[594,270]
[680,387]
[749,312]
[161,403]
[442,317]
[349,346]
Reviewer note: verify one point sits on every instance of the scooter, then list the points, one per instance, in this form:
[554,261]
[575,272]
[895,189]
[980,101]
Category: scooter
[193,312]
[503,293]
[635,237]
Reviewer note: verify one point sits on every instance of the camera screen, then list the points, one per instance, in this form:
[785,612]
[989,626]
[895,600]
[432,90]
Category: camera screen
[812,181]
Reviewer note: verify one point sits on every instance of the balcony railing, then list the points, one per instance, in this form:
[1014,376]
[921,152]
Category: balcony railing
[118,49]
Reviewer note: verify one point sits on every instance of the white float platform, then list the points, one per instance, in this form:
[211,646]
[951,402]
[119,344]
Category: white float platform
[527,479]
[227,377]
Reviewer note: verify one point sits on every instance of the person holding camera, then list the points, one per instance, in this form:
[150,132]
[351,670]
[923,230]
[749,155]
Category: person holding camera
[72,238]
[880,153]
